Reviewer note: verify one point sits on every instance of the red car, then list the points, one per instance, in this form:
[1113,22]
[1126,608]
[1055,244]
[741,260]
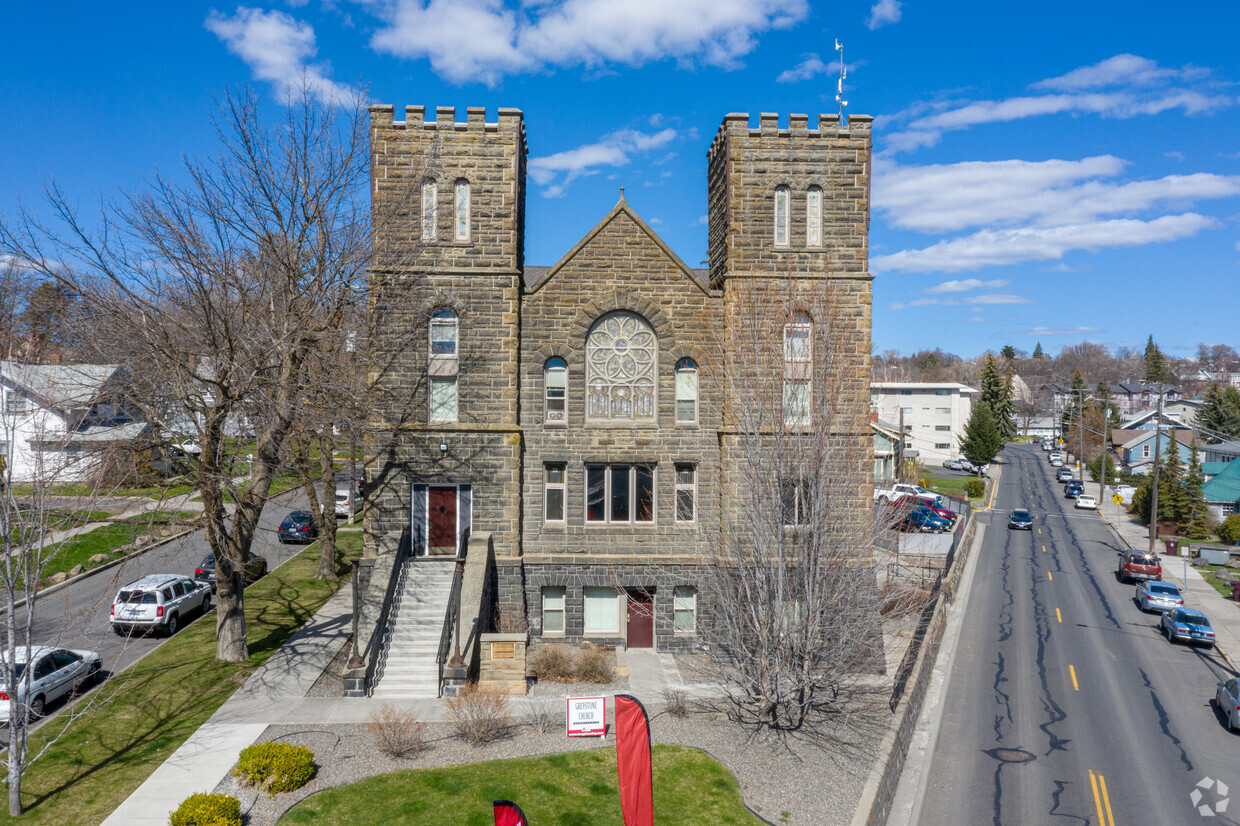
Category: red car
[1139,565]
[946,513]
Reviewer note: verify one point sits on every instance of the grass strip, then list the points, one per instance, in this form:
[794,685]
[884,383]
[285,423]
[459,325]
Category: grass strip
[151,708]
[106,540]
[957,486]
[573,789]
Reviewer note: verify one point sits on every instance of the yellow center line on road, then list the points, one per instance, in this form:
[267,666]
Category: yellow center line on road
[1093,782]
[1058,616]
[1043,549]
[1106,800]
[1039,531]
[1072,671]
[1049,577]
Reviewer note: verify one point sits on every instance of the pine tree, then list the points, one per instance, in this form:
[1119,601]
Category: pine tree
[1219,415]
[1037,352]
[1104,400]
[1007,413]
[1198,513]
[997,395]
[982,439]
[1172,501]
[1155,363]
[1072,411]
[1008,352]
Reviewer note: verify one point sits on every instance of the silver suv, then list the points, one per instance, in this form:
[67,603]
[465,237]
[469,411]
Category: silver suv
[158,601]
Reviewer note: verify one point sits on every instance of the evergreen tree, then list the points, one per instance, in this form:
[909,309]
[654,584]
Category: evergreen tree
[1155,363]
[1007,412]
[1219,415]
[1008,352]
[1037,351]
[1072,411]
[1197,512]
[997,395]
[982,438]
[1172,501]
[1104,400]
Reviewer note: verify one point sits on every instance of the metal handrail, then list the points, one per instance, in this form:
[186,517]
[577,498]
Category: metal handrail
[453,611]
[376,648]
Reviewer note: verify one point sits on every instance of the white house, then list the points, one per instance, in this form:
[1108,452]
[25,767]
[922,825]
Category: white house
[58,421]
[935,414]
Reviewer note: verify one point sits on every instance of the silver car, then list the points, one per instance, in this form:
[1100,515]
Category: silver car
[1158,596]
[57,673]
[1228,700]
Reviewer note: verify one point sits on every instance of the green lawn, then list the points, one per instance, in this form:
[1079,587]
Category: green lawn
[952,485]
[1207,572]
[154,706]
[576,788]
[109,538]
[98,491]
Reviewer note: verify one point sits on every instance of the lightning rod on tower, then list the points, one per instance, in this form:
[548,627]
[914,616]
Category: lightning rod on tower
[839,88]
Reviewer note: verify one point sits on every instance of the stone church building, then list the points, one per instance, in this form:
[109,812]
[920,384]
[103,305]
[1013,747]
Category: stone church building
[565,411]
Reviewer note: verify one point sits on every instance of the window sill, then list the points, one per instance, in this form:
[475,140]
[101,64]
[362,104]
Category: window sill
[642,525]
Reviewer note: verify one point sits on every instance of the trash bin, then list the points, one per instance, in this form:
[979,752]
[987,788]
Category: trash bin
[1173,546]
[1235,590]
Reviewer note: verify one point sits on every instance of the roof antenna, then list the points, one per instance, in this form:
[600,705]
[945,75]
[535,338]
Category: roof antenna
[839,88]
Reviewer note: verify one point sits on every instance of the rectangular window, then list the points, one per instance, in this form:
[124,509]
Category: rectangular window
[429,213]
[14,402]
[942,410]
[686,493]
[907,411]
[781,216]
[602,610]
[620,494]
[906,392]
[796,403]
[443,336]
[684,608]
[813,217]
[686,395]
[553,609]
[942,446]
[443,399]
[553,494]
[462,210]
[4,449]
[1145,451]
[943,428]
[794,501]
[557,393]
[943,391]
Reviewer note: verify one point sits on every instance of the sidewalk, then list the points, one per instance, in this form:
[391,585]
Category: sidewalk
[276,695]
[1223,613]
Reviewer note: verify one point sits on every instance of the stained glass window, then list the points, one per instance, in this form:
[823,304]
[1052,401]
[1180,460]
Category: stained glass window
[621,355]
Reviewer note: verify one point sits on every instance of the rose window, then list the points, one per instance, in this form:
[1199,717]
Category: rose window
[620,363]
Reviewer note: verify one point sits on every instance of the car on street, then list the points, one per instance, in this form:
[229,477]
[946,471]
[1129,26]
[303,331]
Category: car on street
[1056,462]
[57,673]
[1187,625]
[158,602]
[255,569]
[1064,475]
[1086,501]
[1139,565]
[1227,698]
[1020,520]
[1073,489]
[1055,454]
[1158,596]
[298,526]
[344,504]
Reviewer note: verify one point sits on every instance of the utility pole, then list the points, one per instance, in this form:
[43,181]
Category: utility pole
[900,450]
[1080,427]
[1157,453]
[1102,460]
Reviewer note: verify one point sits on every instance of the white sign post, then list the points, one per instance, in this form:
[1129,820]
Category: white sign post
[586,717]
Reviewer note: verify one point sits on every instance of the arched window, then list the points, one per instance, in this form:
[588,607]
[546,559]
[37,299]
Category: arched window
[461,203]
[781,216]
[430,212]
[443,332]
[813,217]
[686,391]
[798,364]
[621,356]
[555,391]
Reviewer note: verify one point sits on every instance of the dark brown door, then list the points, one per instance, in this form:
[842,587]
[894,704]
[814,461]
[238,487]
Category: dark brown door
[641,620]
[442,505]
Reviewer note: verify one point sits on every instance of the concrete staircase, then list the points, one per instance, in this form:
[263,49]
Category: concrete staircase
[412,642]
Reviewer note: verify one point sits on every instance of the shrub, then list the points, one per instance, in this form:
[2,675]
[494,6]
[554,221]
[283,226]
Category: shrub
[544,715]
[207,810]
[596,665]
[479,716]
[275,767]
[676,702]
[554,663]
[397,731]
[1229,531]
[976,488]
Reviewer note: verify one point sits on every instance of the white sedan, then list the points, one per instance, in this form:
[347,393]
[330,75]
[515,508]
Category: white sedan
[57,673]
[1086,502]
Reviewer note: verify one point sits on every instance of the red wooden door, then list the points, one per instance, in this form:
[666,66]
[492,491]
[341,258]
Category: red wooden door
[442,506]
[641,620]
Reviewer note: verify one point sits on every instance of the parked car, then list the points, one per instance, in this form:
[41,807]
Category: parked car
[1086,501]
[1056,462]
[903,491]
[924,521]
[1139,565]
[159,602]
[58,672]
[1158,596]
[1036,440]
[1064,474]
[1055,454]
[953,464]
[944,513]
[1020,520]
[298,526]
[191,448]
[1125,493]
[344,503]
[255,569]
[1187,625]
[1047,447]
[1073,489]
[1227,698]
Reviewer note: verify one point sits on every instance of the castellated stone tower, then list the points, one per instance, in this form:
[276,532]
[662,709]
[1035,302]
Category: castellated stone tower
[449,202]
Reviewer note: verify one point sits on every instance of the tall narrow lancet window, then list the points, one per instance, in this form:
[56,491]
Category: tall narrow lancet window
[781,216]
[430,212]
[621,356]
[798,361]
[462,209]
[813,217]
[686,391]
[555,391]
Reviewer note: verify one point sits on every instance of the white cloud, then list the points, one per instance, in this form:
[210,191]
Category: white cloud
[977,319]
[703,220]
[966,285]
[1174,155]
[1124,86]
[884,12]
[810,67]
[952,197]
[991,247]
[613,150]
[998,298]
[277,48]
[510,36]
[1060,331]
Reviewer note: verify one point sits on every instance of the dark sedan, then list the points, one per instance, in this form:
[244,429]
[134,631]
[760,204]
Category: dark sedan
[298,526]
[1020,520]
[255,569]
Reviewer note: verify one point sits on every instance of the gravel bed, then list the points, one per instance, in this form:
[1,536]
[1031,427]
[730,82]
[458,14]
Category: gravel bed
[781,781]
[331,682]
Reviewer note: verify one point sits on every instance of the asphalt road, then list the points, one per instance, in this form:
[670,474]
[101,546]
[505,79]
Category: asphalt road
[1064,704]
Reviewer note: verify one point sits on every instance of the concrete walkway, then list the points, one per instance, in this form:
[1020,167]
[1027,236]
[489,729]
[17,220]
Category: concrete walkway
[276,695]
[1223,613]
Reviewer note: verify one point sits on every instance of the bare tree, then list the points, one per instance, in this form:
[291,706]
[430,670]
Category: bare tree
[216,292]
[795,627]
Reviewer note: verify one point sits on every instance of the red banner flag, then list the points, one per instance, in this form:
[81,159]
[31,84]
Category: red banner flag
[508,813]
[633,761]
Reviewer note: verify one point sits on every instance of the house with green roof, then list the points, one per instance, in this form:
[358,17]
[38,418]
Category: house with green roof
[1222,493]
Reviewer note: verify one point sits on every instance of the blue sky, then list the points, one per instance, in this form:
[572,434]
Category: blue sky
[1050,173]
